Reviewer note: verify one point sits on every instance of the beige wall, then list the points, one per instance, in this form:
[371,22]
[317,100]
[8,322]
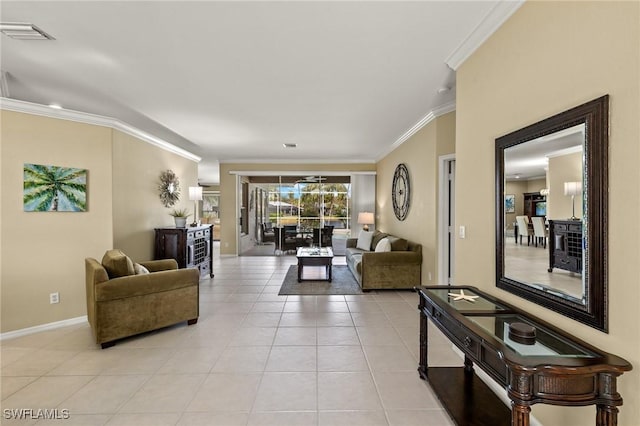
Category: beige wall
[44,252]
[228,201]
[546,58]
[421,154]
[137,209]
[563,168]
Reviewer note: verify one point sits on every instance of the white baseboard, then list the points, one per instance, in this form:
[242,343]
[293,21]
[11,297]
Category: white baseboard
[43,327]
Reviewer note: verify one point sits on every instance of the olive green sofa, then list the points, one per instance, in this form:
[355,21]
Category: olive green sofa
[123,303]
[399,268]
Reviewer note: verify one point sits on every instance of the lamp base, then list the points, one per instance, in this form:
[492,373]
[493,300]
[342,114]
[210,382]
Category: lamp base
[365,228]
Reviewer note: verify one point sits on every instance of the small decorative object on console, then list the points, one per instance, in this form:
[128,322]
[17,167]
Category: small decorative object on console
[522,333]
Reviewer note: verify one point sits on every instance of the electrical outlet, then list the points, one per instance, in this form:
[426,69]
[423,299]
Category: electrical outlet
[463,231]
[54,298]
[429,276]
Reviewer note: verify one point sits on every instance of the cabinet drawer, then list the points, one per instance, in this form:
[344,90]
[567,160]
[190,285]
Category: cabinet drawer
[463,338]
[560,227]
[204,269]
[575,227]
[564,262]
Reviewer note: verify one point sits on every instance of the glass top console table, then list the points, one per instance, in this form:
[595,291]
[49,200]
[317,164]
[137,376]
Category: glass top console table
[535,361]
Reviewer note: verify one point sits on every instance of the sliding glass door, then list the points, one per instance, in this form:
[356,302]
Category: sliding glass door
[310,204]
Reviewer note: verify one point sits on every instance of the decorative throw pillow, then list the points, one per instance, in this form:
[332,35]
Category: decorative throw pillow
[117,264]
[140,270]
[383,245]
[398,244]
[377,236]
[364,240]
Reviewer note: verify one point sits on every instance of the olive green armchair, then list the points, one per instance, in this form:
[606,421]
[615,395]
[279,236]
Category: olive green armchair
[125,299]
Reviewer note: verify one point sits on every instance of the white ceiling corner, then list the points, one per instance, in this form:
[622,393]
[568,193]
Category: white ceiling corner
[487,26]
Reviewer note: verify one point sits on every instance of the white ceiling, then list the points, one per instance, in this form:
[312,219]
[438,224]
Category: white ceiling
[232,81]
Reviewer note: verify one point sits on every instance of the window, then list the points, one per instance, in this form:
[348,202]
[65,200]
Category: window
[310,204]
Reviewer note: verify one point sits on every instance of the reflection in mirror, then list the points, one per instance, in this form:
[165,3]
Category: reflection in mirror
[536,173]
[551,211]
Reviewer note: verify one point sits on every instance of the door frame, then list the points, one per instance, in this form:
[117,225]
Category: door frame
[446,232]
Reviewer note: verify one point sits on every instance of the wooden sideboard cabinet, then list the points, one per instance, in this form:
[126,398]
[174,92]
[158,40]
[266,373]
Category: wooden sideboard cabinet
[190,247]
[553,367]
[565,245]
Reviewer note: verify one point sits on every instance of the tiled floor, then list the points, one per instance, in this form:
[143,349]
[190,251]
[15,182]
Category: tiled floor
[253,358]
[530,264]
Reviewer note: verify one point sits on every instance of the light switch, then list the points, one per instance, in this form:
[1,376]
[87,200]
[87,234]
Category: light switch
[463,231]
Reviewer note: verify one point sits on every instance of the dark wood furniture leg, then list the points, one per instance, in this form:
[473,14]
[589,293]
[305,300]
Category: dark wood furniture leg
[468,365]
[192,321]
[106,345]
[519,414]
[606,415]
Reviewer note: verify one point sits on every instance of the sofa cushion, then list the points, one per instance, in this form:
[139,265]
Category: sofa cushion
[377,236]
[398,244]
[383,245]
[364,240]
[117,264]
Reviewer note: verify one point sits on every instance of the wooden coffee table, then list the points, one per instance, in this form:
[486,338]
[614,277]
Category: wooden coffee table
[315,256]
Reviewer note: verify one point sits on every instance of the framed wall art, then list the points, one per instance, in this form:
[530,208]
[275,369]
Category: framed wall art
[54,189]
[510,203]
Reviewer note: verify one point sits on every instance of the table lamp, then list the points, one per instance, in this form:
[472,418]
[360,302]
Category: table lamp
[195,195]
[573,189]
[365,219]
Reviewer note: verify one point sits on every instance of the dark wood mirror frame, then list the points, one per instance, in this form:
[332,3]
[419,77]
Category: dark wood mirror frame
[595,116]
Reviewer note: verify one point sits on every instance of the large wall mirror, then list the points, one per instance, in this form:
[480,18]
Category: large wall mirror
[551,212]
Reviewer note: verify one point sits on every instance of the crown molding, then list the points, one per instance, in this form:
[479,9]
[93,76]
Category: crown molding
[97,120]
[296,161]
[432,115]
[487,26]
[300,172]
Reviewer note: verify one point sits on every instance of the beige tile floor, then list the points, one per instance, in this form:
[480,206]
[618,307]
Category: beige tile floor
[530,264]
[253,358]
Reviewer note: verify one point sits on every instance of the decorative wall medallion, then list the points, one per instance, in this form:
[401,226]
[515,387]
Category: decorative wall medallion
[169,188]
[401,192]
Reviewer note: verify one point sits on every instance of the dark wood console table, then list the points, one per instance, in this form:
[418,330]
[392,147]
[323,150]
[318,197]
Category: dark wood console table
[554,368]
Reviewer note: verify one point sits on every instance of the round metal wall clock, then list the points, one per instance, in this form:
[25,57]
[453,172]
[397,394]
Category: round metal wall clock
[401,191]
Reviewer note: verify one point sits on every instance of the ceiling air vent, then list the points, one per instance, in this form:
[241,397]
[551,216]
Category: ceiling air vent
[23,31]
[290,145]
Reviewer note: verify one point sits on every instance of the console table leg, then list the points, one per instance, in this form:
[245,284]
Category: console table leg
[468,365]
[606,415]
[519,414]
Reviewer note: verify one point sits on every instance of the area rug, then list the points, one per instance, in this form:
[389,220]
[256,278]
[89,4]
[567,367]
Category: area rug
[342,282]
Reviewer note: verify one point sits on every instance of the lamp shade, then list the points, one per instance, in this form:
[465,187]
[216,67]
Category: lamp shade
[365,218]
[195,193]
[572,188]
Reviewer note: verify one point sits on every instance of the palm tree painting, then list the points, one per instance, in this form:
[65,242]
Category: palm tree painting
[54,189]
